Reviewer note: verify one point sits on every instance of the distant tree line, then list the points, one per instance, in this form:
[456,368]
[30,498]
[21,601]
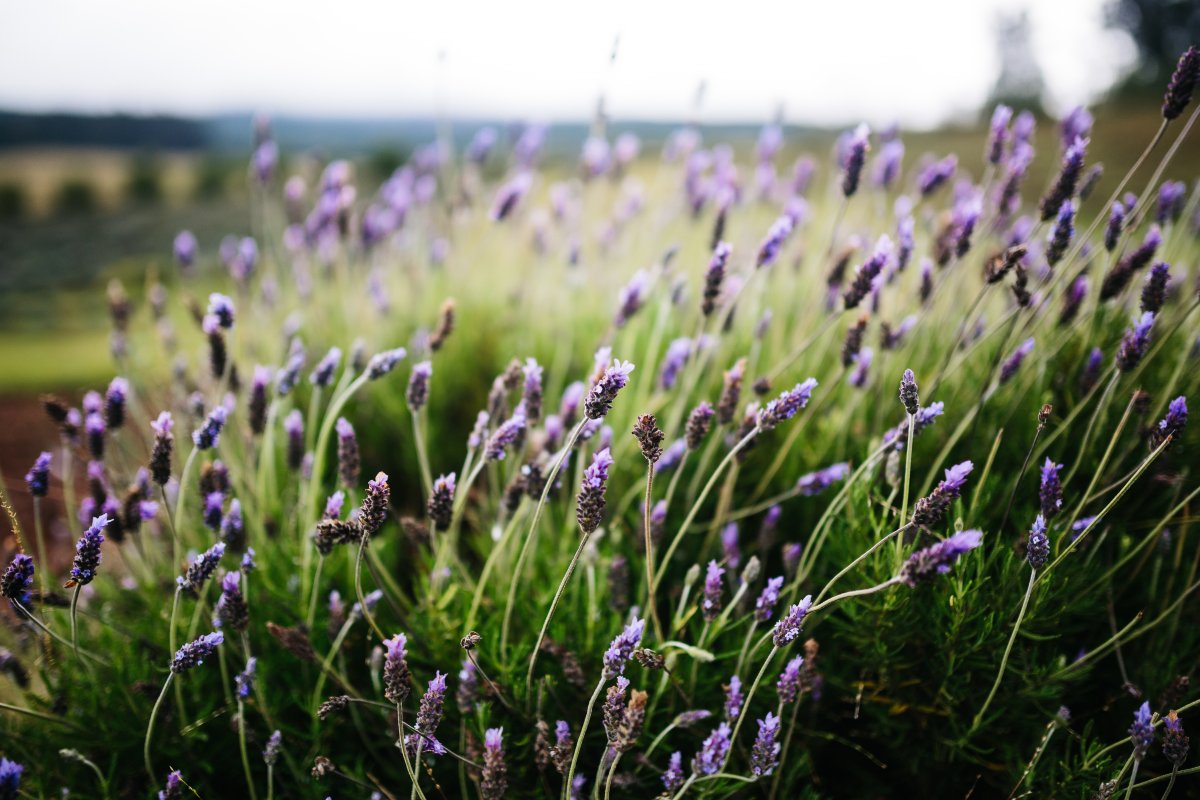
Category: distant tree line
[123,131]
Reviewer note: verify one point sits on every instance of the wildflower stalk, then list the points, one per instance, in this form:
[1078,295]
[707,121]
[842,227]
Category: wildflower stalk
[1020,475]
[74,614]
[856,593]
[27,614]
[489,565]
[712,480]
[41,542]
[241,706]
[362,602]
[562,586]
[529,537]
[1004,659]
[908,451]
[1101,404]
[1112,443]
[587,718]
[422,455]
[787,742]
[737,726]
[612,770]
[36,714]
[150,725]
[314,593]
[650,604]
[860,559]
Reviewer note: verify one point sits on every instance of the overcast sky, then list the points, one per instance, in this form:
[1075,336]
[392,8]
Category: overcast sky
[825,61]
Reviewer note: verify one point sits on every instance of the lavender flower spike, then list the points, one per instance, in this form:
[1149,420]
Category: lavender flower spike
[621,649]
[600,399]
[856,156]
[209,435]
[764,756]
[1172,424]
[712,752]
[865,275]
[87,552]
[18,580]
[788,627]
[1050,491]
[494,780]
[1141,732]
[909,394]
[418,385]
[932,509]
[710,605]
[816,482]
[589,507]
[383,363]
[429,717]
[1182,84]
[395,669]
[200,570]
[1037,549]
[232,611]
[504,436]
[938,558]
[1134,343]
[786,405]
[441,502]
[1009,368]
[38,477]
[672,778]
[765,604]
[193,654]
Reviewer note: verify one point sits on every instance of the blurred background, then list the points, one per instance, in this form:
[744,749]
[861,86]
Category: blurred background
[123,123]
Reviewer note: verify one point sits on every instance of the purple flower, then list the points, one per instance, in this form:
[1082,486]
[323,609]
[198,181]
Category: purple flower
[18,580]
[174,787]
[710,605]
[998,133]
[766,601]
[185,247]
[788,627]
[909,395]
[38,477]
[672,778]
[1175,742]
[764,755]
[1154,292]
[1172,424]
[333,505]
[698,424]
[418,385]
[114,402]
[494,779]
[220,307]
[193,654]
[468,687]
[733,698]
[373,511]
[349,463]
[930,179]
[868,271]
[1050,491]
[1076,125]
[729,544]
[532,389]
[674,360]
[87,552]
[776,236]
[201,569]
[714,276]
[712,752]
[788,685]
[209,435]
[95,428]
[600,399]
[1067,180]
[293,428]
[245,679]
[441,501]
[1037,549]
[856,155]
[816,482]
[621,649]
[505,435]
[1182,84]
[938,558]
[1171,197]
[1013,363]
[322,375]
[1120,275]
[1134,343]
[1112,231]
[1060,235]
[430,716]
[930,510]
[214,503]
[786,405]
[383,363]
[395,669]
[1141,732]
[632,296]
[232,611]
[508,195]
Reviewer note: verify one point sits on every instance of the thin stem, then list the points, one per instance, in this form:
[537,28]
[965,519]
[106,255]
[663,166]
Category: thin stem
[860,559]
[1132,778]
[787,742]
[746,703]
[587,718]
[422,456]
[41,542]
[27,614]
[908,450]
[34,713]
[242,744]
[150,726]
[1037,754]
[315,593]
[855,593]
[362,603]
[562,586]
[1007,652]
[712,480]
[74,614]
[1020,475]
[650,604]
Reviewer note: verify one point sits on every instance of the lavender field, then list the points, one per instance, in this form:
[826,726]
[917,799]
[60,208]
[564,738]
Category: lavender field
[705,470]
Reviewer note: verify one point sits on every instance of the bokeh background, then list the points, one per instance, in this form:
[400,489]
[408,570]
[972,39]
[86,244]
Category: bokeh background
[123,123]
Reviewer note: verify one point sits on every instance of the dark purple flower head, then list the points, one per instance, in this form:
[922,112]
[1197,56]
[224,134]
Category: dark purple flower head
[244,680]
[1059,238]
[293,428]
[288,375]
[621,648]
[383,363]
[764,756]
[201,569]
[233,528]
[114,402]
[816,482]
[909,395]
[714,276]
[322,375]
[1050,491]
[600,399]
[193,654]
[674,360]
[713,751]
[532,392]
[773,242]
[395,669]
[432,703]
[1077,124]
[509,194]
[1175,742]
[787,405]
[1182,84]
[418,385]
[931,510]
[867,273]
[888,162]
[1171,198]
[1173,423]
[632,297]
[185,247]
[1141,732]
[87,552]
[38,477]
[1154,292]
[505,435]
[998,133]
[936,175]
[856,155]
[938,558]
[1067,180]
[174,787]
[1116,221]
[699,423]
[214,508]
[1013,363]
[349,463]
[373,511]
[220,308]
[209,435]
[1119,276]
[710,604]
[1134,343]
[788,627]
[441,501]
[494,779]
[733,698]
[232,611]
[95,429]
[18,580]
[765,604]
[271,751]
[1037,549]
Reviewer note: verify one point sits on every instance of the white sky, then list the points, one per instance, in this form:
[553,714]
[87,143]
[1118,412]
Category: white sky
[825,61]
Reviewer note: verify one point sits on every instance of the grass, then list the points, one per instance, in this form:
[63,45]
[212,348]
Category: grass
[895,676]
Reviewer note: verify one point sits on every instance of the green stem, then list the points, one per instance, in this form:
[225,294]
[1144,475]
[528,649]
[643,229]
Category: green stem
[587,718]
[908,450]
[562,586]
[242,743]
[422,456]
[1007,652]
[150,727]
[860,559]
[650,604]
[41,542]
[362,603]
[74,614]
